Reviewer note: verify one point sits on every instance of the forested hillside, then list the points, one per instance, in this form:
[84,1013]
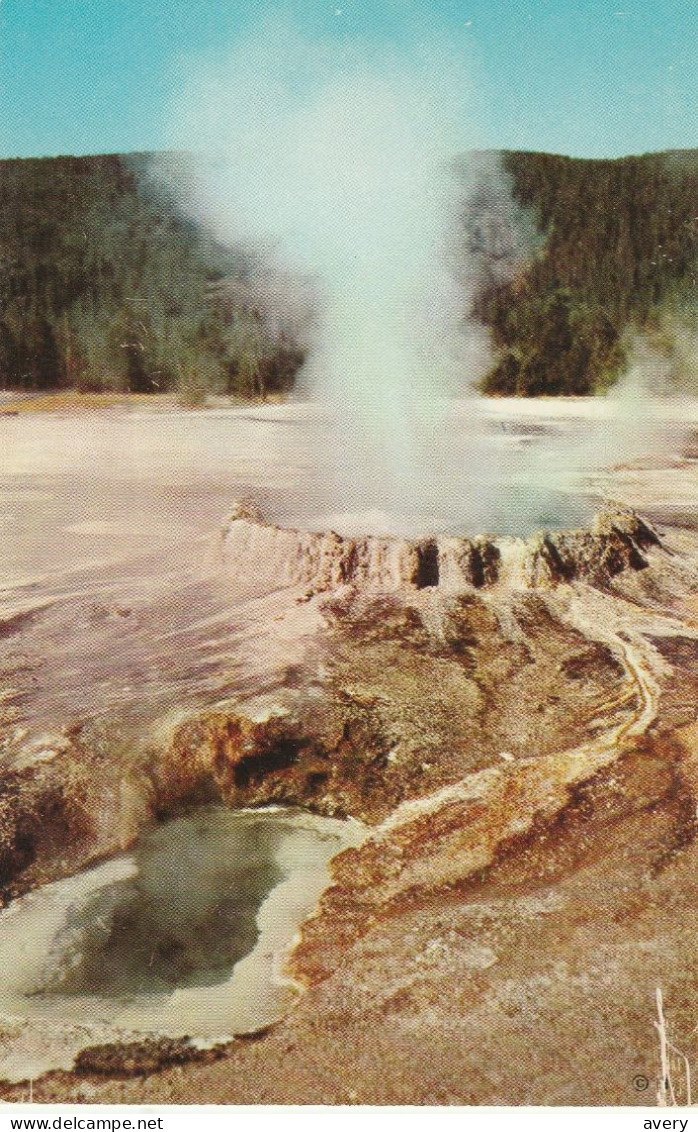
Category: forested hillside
[619,255]
[104,284]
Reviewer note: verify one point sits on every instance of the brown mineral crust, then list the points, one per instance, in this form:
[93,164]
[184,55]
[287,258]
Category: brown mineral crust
[474,679]
[443,843]
[467,562]
[37,819]
[613,518]
[57,817]
[133,1059]
[417,693]
[241,760]
[326,561]
[614,544]
[287,557]
[680,696]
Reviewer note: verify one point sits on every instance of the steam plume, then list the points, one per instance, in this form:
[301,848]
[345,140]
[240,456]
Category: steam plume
[337,162]
[338,167]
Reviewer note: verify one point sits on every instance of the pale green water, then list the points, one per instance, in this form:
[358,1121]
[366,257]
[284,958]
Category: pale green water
[184,917]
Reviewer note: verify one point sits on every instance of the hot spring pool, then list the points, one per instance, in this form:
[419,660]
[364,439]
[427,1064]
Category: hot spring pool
[185,935]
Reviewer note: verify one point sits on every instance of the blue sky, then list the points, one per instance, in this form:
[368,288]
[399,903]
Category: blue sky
[589,78]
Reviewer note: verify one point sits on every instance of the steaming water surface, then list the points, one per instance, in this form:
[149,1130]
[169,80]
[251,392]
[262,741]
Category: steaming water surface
[185,935]
[79,492]
[463,472]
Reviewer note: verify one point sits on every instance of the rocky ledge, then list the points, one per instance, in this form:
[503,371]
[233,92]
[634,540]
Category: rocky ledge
[279,557]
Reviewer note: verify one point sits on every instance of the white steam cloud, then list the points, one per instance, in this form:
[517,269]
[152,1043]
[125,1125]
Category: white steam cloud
[336,159]
[336,163]
[348,171]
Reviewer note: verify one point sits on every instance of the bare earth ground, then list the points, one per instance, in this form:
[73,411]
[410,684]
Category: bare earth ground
[522,743]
